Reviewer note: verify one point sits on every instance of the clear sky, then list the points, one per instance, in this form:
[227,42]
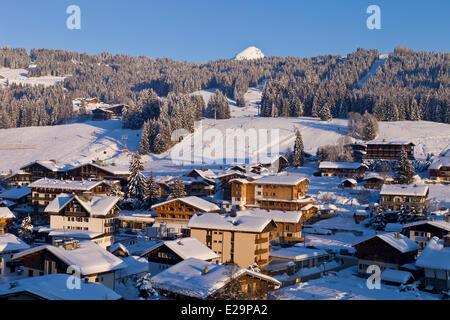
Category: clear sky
[202,30]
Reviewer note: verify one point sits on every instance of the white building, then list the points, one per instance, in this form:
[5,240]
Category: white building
[9,245]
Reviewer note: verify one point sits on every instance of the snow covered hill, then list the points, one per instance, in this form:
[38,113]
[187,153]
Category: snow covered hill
[19,76]
[250,53]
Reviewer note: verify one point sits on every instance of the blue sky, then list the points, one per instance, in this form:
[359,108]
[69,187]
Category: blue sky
[202,30]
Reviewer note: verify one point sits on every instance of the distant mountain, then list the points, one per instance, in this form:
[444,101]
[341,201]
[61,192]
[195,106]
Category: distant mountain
[250,53]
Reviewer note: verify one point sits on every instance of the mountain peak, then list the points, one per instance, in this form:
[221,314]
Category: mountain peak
[249,54]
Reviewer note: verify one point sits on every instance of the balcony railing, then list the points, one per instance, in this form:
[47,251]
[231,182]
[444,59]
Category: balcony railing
[261,251]
[261,240]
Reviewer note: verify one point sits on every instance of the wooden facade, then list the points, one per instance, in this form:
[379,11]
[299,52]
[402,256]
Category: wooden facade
[388,150]
[176,211]
[38,171]
[90,170]
[440,169]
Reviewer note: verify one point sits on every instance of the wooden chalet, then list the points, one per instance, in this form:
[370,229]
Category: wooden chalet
[195,279]
[342,169]
[388,150]
[225,179]
[18,179]
[5,219]
[440,169]
[180,210]
[44,169]
[101,114]
[408,197]
[98,171]
[374,181]
[388,251]
[95,263]
[165,254]
[349,183]
[284,192]
[422,231]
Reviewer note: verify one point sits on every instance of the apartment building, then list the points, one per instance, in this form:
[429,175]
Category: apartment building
[282,192]
[388,150]
[242,239]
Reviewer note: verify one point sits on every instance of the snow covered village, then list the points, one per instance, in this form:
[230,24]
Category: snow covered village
[249,178]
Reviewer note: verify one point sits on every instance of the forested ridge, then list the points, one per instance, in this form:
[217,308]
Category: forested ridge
[408,86]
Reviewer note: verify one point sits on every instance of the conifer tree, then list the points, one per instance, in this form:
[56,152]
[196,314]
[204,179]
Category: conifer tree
[144,147]
[178,189]
[136,182]
[151,195]
[405,170]
[325,113]
[298,159]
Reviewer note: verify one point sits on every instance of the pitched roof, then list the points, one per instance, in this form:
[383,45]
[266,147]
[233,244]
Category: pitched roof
[341,165]
[97,206]
[398,142]
[397,276]
[89,256]
[444,225]
[9,242]
[402,244]
[16,193]
[297,253]
[194,201]
[289,180]
[275,215]
[243,223]
[5,213]
[440,162]
[404,190]
[50,165]
[186,248]
[435,256]
[54,287]
[187,278]
[84,185]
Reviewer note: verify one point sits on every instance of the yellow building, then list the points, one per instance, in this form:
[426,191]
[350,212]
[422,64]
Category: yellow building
[241,239]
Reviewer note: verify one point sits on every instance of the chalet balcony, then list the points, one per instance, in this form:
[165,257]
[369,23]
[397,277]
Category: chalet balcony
[294,239]
[262,240]
[261,251]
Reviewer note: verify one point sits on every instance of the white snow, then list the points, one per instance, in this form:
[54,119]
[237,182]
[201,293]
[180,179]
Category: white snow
[96,207]
[89,256]
[250,53]
[297,253]
[16,193]
[242,223]
[84,185]
[5,213]
[435,256]
[402,244]
[341,165]
[19,76]
[276,215]
[9,243]
[378,63]
[194,201]
[404,190]
[54,287]
[397,276]
[187,248]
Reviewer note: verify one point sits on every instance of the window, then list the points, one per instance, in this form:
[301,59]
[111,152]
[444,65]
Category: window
[30,273]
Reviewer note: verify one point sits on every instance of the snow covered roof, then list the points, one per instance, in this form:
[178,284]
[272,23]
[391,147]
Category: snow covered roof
[89,256]
[402,244]
[5,213]
[85,185]
[297,253]
[373,175]
[115,170]
[189,279]
[330,207]
[441,224]
[9,242]
[117,246]
[404,190]
[194,201]
[393,227]
[50,165]
[397,276]
[275,215]
[341,165]
[440,162]
[289,180]
[243,223]
[16,193]
[97,206]
[350,180]
[187,248]
[435,256]
[54,287]
[398,142]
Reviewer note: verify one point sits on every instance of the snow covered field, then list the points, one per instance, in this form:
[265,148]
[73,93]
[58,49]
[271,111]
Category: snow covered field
[19,76]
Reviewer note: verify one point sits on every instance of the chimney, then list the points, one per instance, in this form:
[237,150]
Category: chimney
[447,218]
[68,245]
[205,271]
[57,242]
[447,241]
[397,235]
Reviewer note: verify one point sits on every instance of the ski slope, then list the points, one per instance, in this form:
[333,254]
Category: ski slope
[20,76]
